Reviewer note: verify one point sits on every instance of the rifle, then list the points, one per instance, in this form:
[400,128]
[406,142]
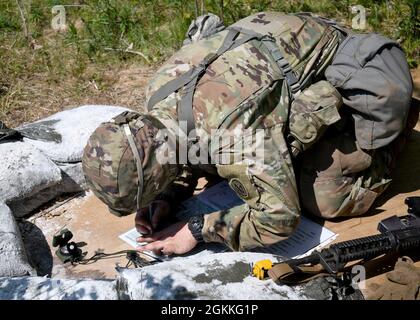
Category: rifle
[397,234]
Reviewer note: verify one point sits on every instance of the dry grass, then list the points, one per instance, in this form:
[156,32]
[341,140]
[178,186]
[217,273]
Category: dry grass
[48,71]
[37,87]
[34,98]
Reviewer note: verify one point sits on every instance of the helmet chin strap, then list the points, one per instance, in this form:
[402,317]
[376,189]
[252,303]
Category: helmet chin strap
[136,154]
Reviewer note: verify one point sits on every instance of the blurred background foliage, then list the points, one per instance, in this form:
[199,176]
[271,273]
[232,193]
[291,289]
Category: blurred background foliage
[99,32]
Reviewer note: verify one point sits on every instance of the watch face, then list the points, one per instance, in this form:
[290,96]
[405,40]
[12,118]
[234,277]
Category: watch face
[196,225]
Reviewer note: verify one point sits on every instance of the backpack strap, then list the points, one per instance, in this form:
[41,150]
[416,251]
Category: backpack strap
[283,64]
[272,47]
[189,79]
[191,75]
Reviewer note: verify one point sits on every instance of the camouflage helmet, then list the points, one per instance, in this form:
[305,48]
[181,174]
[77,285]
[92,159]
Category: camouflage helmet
[120,163]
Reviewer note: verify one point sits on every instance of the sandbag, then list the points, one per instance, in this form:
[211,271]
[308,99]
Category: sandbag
[24,171]
[47,162]
[371,73]
[72,180]
[63,135]
[73,177]
[204,276]
[40,288]
[13,259]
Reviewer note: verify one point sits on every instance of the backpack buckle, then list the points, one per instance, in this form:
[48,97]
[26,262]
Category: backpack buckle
[125,117]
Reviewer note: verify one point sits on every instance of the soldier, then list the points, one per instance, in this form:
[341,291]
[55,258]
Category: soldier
[264,74]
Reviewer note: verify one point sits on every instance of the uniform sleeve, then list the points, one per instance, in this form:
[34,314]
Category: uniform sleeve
[181,189]
[267,185]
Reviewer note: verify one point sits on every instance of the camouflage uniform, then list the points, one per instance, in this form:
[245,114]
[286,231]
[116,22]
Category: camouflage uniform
[340,179]
[243,89]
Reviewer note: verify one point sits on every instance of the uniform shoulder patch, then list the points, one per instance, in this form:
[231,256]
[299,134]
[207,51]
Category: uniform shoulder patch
[239,188]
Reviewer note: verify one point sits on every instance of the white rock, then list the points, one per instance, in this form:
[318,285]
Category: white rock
[36,171]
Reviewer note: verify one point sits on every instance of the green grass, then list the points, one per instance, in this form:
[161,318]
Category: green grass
[156,28]
[100,30]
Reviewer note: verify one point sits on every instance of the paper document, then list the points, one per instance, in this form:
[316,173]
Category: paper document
[308,236]
[130,237]
[217,197]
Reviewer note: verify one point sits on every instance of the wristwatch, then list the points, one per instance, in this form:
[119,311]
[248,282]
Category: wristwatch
[196,224]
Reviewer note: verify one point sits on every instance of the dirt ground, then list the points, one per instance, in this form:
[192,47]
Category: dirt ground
[90,221]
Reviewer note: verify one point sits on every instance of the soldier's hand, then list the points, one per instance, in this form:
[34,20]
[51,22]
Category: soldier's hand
[175,239]
[144,225]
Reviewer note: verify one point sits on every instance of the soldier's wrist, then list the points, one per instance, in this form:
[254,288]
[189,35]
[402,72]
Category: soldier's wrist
[209,231]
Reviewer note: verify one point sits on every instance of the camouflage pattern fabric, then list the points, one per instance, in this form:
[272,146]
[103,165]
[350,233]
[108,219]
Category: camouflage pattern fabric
[241,92]
[111,171]
[311,113]
[339,179]
[244,89]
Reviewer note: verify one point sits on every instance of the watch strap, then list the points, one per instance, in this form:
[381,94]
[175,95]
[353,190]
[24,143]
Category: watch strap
[195,225]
